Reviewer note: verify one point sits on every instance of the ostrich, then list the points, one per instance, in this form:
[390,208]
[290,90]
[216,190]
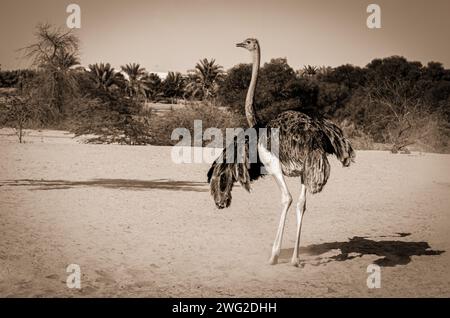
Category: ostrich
[304,144]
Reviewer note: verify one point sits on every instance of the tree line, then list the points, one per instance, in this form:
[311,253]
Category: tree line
[389,101]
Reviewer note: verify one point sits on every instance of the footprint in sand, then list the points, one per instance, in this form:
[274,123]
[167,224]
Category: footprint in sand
[89,290]
[104,278]
[52,276]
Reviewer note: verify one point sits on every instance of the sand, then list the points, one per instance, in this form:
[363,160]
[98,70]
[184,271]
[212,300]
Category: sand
[140,225]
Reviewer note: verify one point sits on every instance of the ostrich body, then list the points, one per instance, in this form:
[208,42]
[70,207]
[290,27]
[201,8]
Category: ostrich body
[304,144]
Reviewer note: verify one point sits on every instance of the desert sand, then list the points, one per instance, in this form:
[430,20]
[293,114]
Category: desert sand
[139,225]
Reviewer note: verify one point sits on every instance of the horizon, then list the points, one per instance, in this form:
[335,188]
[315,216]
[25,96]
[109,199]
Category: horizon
[151,33]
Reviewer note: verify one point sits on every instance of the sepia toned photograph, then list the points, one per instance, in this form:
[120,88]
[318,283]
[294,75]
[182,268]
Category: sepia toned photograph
[256,149]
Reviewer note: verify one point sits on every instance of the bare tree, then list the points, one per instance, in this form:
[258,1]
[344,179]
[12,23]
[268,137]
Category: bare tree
[16,111]
[54,53]
[397,106]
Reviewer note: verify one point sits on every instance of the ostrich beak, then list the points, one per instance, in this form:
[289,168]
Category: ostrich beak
[240,45]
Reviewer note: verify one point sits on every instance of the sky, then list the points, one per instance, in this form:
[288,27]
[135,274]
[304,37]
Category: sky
[172,35]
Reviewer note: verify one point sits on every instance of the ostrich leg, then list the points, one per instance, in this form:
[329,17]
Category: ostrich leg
[272,164]
[300,211]
[286,200]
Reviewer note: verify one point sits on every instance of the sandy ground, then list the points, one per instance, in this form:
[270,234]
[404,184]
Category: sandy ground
[140,225]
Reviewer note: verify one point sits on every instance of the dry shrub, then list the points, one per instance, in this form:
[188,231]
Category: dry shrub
[211,116]
[432,136]
[116,121]
[359,139]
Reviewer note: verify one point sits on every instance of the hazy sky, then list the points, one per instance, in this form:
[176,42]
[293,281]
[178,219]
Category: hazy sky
[174,35]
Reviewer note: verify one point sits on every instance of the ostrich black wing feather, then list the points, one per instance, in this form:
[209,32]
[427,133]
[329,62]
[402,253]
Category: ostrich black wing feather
[239,166]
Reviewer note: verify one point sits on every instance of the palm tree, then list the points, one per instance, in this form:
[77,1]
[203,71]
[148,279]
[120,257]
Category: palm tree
[204,80]
[105,77]
[66,60]
[173,85]
[152,85]
[63,73]
[308,71]
[135,85]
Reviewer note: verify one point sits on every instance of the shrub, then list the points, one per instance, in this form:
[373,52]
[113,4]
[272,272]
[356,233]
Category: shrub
[163,125]
[359,139]
[16,111]
[116,120]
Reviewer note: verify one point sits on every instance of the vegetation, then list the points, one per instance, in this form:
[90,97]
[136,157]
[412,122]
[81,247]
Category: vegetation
[54,54]
[111,118]
[173,86]
[152,86]
[135,86]
[392,101]
[16,112]
[204,80]
[211,116]
[104,79]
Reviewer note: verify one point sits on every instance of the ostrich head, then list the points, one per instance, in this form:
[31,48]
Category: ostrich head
[249,44]
[221,179]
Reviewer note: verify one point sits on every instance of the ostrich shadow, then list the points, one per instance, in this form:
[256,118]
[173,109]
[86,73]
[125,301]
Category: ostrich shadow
[392,253]
[131,184]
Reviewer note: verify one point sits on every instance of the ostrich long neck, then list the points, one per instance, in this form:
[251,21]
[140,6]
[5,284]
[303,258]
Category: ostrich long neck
[249,108]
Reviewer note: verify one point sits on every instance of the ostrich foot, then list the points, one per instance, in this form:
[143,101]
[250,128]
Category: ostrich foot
[273,260]
[295,261]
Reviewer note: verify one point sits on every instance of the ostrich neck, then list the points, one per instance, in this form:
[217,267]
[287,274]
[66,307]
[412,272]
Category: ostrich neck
[249,108]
